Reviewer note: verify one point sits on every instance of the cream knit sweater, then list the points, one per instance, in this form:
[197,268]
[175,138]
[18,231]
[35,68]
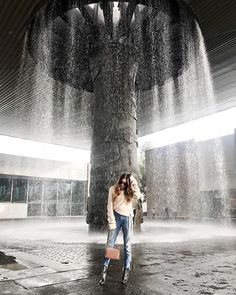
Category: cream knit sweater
[120,205]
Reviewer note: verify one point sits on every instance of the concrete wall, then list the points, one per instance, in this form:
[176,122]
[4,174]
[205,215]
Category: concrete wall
[13,210]
[16,165]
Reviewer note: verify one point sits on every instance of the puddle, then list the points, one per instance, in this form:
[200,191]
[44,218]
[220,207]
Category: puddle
[9,262]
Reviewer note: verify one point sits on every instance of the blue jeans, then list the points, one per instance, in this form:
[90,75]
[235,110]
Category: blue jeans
[123,222]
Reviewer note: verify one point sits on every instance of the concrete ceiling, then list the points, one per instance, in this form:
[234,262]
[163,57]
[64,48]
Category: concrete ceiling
[218,23]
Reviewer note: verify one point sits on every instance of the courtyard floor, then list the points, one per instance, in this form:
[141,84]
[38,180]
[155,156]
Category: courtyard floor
[58,256]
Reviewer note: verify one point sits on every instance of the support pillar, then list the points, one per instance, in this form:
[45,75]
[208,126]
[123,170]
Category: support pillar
[114,141]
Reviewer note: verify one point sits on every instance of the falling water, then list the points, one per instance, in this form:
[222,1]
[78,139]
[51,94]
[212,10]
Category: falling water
[176,173]
[173,85]
[58,113]
[56,108]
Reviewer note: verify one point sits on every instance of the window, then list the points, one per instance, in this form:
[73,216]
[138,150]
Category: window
[78,192]
[35,191]
[64,192]
[19,190]
[34,209]
[50,198]
[50,190]
[63,209]
[64,198]
[77,209]
[49,209]
[35,197]
[5,189]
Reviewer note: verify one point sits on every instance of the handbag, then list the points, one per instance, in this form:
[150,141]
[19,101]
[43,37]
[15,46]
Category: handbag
[112,252]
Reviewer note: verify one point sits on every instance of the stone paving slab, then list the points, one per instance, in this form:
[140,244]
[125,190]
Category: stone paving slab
[76,287]
[26,273]
[11,288]
[50,279]
[33,260]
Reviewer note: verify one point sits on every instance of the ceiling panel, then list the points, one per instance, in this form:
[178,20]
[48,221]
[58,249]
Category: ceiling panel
[218,23]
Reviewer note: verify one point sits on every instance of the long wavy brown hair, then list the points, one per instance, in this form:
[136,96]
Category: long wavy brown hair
[128,192]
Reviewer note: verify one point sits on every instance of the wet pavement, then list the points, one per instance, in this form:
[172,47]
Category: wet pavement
[9,262]
[59,257]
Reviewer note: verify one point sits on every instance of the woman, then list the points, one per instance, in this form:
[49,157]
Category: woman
[119,216]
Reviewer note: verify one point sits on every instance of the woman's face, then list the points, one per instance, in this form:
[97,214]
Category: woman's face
[123,183]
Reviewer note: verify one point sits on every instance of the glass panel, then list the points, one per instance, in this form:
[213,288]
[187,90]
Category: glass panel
[64,190]
[77,209]
[63,210]
[35,191]
[50,191]
[85,191]
[5,189]
[49,209]
[50,198]
[78,192]
[34,210]
[19,190]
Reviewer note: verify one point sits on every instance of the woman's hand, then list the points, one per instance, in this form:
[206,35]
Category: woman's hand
[135,187]
[132,179]
[111,226]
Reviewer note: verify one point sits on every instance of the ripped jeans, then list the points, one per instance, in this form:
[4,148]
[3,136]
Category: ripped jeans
[124,223]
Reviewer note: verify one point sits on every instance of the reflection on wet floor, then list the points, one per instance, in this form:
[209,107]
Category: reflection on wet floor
[63,258]
[9,262]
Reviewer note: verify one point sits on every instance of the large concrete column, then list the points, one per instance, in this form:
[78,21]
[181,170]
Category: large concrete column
[114,148]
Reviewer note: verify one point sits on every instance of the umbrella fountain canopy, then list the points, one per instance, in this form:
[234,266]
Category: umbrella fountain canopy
[114,49]
[156,33]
